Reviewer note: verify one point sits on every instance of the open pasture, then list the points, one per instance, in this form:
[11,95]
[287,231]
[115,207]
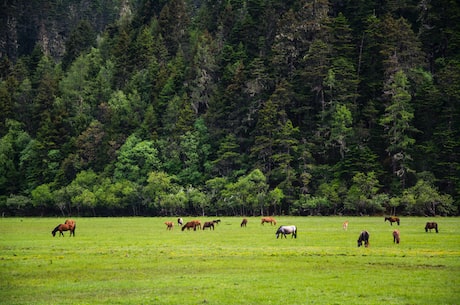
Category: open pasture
[139,261]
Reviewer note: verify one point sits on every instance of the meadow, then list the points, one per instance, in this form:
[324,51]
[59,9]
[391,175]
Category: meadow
[137,261]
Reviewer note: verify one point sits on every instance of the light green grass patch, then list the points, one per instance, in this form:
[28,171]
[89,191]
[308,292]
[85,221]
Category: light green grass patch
[137,261]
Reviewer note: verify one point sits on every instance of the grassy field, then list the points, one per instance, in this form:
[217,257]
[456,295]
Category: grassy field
[136,261]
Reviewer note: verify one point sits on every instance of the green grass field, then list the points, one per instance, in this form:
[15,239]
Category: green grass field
[136,261]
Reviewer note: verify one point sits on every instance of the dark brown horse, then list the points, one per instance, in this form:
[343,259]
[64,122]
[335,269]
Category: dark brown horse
[396,236]
[430,226]
[208,224]
[69,225]
[392,219]
[363,237]
[244,222]
[271,220]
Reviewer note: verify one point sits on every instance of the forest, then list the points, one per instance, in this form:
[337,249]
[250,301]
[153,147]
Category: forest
[229,107]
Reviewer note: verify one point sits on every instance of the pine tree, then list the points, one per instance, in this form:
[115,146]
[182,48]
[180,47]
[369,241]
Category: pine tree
[397,121]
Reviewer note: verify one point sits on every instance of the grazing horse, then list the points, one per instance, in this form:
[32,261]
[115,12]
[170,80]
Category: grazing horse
[208,224]
[244,222]
[189,225]
[363,237]
[286,230]
[192,225]
[431,225]
[216,221]
[396,236]
[180,221]
[392,219]
[69,225]
[345,225]
[169,225]
[197,224]
[271,220]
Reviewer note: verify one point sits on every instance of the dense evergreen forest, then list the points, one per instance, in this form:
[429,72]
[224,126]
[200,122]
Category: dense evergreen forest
[229,107]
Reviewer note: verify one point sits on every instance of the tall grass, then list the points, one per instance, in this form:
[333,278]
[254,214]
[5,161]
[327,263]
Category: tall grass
[137,261]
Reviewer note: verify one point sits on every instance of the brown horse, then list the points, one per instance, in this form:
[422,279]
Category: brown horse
[197,224]
[396,236]
[192,225]
[271,220]
[208,224]
[244,222]
[392,219]
[430,226]
[69,225]
[169,225]
[345,225]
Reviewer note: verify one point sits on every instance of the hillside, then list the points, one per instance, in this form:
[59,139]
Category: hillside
[229,107]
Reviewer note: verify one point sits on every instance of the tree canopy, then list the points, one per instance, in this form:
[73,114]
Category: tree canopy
[240,107]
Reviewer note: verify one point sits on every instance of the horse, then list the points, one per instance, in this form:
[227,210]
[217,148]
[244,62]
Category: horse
[216,221]
[189,225]
[431,225]
[345,225]
[392,219]
[271,220]
[396,236]
[169,225]
[192,225]
[68,225]
[363,237]
[287,230]
[208,224]
[197,224]
[180,221]
[244,222]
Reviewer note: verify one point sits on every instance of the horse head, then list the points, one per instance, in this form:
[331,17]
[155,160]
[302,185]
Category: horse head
[278,232]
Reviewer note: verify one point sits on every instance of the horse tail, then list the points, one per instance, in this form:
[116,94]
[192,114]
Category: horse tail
[73,230]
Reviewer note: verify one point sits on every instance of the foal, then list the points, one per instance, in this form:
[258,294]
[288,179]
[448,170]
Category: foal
[396,236]
[169,225]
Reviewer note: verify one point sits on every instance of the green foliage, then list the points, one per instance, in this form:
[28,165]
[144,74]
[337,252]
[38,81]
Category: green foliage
[136,159]
[362,195]
[424,199]
[313,95]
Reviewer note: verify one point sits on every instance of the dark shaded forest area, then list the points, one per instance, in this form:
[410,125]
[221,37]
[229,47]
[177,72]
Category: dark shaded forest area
[229,107]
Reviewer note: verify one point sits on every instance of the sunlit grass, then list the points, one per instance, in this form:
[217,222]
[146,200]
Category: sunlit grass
[136,261]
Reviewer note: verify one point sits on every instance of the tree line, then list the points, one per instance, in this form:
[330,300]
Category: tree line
[240,107]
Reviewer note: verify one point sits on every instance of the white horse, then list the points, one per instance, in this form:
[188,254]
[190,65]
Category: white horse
[287,230]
